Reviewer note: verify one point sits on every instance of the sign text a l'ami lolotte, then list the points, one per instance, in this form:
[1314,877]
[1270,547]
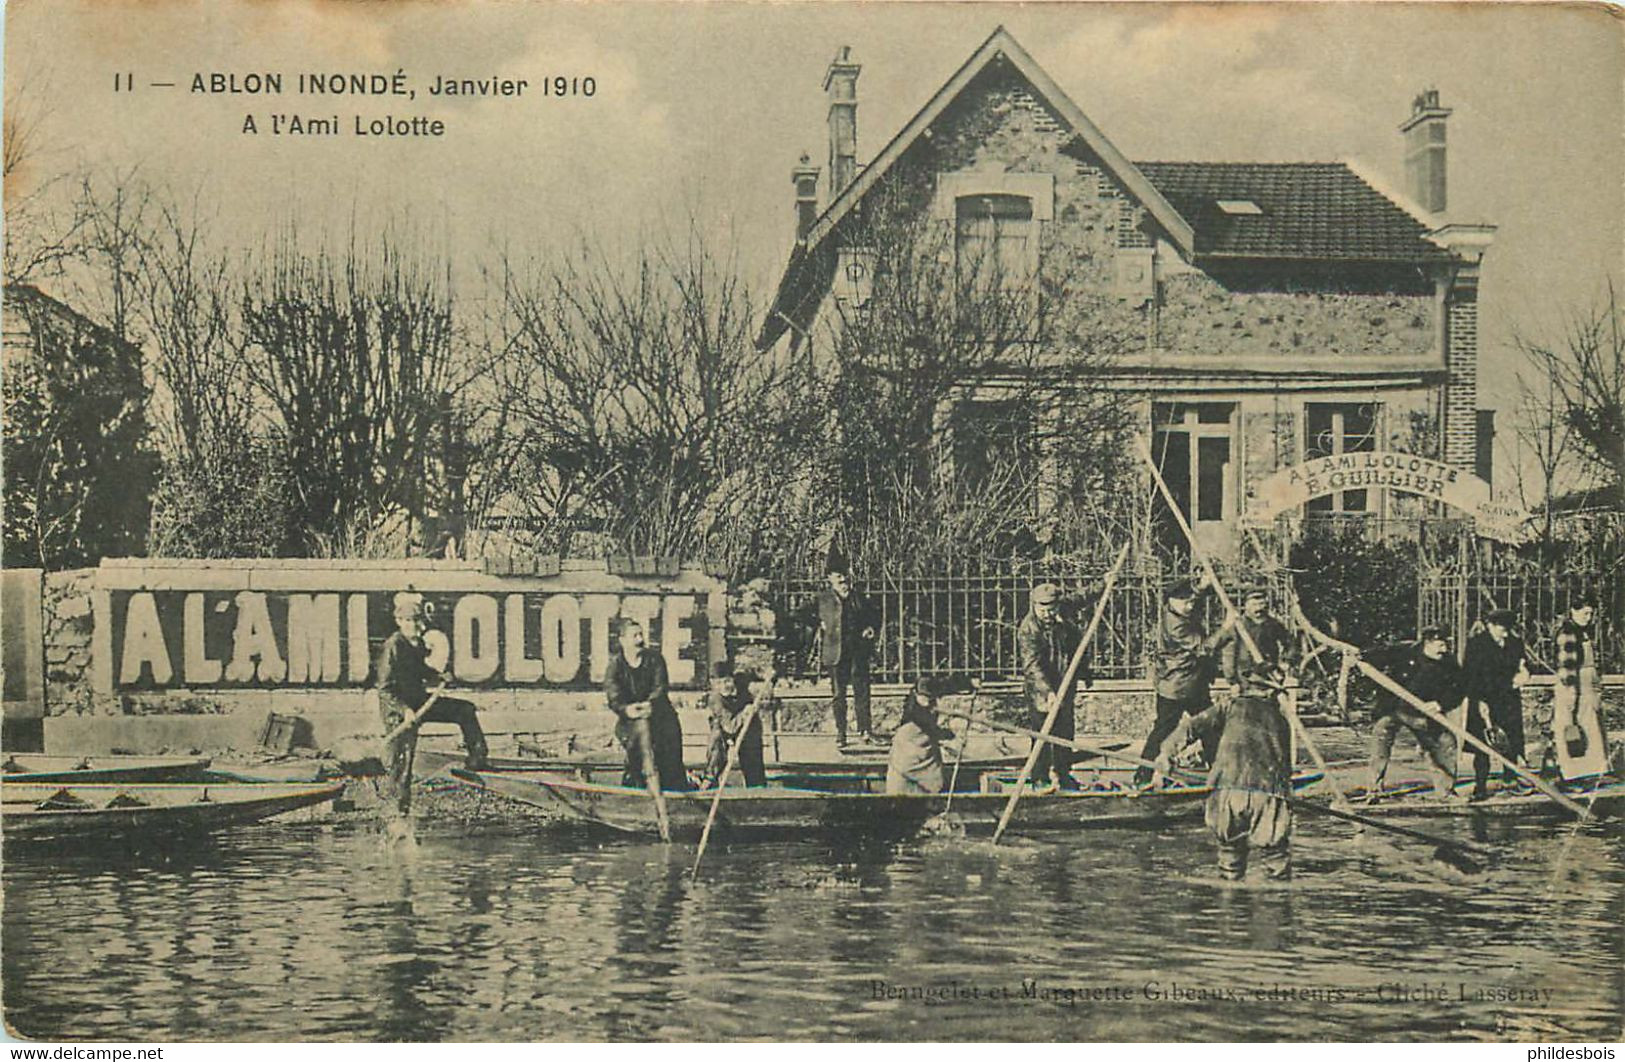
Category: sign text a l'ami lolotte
[501,638]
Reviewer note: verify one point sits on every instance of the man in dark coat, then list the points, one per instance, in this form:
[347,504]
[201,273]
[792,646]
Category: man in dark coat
[1427,671]
[1045,642]
[1184,664]
[404,675]
[1495,670]
[1267,632]
[732,693]
[848,626]
[635,685]
[1251,775]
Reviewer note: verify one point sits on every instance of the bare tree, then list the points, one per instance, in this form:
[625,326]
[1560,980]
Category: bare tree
[970,375]
[43,224]
[639,406]
[1545,448]
[353,353]
[1583,374]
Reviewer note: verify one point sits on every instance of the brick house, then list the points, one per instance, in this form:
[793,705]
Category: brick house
[1280,310]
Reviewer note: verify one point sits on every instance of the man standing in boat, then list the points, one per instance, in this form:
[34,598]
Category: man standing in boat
[1577,732]
[1045,642]
[1495,671]
[1426,669]
[1251,776]
[1272,638]
[847,626]
[1184,664]
[635,685]
[404,674]
[732,694]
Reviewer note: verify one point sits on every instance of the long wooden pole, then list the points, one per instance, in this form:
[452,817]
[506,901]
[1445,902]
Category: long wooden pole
[746,718]
[1059,698]
[411,719]
[1192,777]
[1338,796]
[651,775]
[1417,703]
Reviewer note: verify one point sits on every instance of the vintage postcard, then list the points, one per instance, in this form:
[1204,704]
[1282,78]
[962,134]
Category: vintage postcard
[813,522]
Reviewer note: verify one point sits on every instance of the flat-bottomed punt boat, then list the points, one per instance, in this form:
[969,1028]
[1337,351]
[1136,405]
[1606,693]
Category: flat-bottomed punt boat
[1603,796]
[140,812]
[1105,798]
[34,767]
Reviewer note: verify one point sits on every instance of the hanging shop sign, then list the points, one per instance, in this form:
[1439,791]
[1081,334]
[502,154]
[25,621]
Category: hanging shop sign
[1291,487]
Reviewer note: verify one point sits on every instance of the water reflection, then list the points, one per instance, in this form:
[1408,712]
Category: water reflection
[315,933]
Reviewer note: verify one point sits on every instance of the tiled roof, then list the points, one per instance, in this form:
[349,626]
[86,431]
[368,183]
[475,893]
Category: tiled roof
[1308,210]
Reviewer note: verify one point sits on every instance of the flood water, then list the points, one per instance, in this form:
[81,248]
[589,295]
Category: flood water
[523,933]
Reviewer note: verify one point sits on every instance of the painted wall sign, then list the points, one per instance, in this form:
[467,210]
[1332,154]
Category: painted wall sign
[218,638]
[1291,487]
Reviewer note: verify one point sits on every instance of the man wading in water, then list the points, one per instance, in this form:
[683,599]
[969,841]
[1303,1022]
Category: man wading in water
[404,674]
[1252,773]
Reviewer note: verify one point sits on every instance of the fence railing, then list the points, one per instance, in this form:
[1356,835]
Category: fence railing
[1539,601]
[963,623]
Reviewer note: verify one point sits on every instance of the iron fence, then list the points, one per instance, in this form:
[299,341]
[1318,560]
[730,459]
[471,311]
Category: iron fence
[1459,601]
[963,622]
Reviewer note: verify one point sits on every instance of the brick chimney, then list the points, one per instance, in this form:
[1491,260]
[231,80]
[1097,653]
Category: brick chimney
[805,178]
[1424,151]
[841,86]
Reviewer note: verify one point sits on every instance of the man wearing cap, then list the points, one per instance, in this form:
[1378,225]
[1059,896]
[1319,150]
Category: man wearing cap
[1184,665]
[1495,670]
[635,686]
[1251,775]
[847,626]
[732,693]
[1045,642]
[1427,671]
[404,674]
[1267,633]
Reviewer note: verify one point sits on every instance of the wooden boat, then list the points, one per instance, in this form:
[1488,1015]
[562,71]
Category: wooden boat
[1107,798]
[139,812]
[31,768]
[847,773]
[1603,795]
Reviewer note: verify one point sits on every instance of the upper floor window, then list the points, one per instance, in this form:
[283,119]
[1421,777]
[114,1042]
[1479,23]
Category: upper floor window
[994,242]
[1332,428]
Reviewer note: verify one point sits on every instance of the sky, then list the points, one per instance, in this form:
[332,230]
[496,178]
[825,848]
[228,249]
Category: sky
[704,108]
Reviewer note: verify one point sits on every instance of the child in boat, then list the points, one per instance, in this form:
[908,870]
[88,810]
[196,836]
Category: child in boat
[915,764]
[732,694]
[1251,775]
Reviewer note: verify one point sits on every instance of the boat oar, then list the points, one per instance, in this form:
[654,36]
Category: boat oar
[746,718]
[651,775]
[1454,853]
[1058,699]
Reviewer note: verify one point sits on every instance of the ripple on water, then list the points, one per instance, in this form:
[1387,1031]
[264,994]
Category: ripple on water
[512,935]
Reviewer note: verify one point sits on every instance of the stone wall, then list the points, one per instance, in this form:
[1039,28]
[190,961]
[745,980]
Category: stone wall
[69,628]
